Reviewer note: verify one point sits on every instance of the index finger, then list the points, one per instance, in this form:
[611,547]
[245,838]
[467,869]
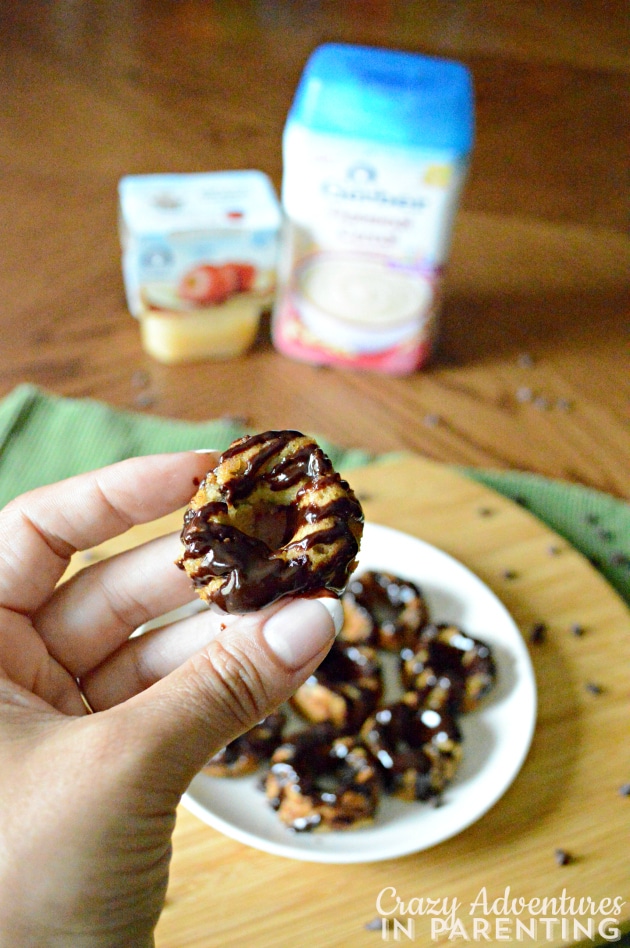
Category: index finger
[40,530]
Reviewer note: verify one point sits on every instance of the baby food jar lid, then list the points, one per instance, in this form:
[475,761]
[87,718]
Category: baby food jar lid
[385,95]
[175,202]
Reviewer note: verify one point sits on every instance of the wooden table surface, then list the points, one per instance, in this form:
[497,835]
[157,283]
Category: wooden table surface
[537,286]
[539,267]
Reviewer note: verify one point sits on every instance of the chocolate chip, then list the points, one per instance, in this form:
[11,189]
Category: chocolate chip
[594,688]
[541,403]
[524,394]
[140,378]
[240,421]
[563,404]
[522,501]
[509,574]
[554,550]
[525,360]
[619,559]
[145,400]
[562,857]
[605,535]
[89,556]
[431,420]
[592,519]
[485,511]
[538,633]
[624,790]
[577,630]
[375,925]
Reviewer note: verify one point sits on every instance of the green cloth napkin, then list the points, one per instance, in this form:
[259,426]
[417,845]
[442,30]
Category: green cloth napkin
[44,438]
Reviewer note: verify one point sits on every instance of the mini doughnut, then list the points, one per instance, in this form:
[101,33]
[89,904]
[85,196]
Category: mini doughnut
[321,782]
[273,518]
[448,668]
[246,753]
[358,626]
[344,689]
[396,606]
[417,749]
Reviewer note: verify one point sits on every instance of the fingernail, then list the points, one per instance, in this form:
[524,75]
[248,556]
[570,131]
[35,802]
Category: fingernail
[335,609]
[299,632]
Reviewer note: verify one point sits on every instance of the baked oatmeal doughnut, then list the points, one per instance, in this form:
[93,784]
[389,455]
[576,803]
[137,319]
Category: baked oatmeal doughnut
[273,518]
[448,668]
[417,749]
[396,606]
[321,782]
[344,689]
[246,753]
[358,626]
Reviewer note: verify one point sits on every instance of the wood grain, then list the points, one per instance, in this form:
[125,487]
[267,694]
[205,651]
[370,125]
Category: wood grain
[566,796]
[539,265]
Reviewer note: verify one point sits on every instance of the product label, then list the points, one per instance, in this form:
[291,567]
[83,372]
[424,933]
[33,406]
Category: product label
[198,240]
[367,234]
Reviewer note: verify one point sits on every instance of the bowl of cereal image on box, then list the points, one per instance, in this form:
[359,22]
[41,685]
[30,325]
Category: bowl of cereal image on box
[361,304]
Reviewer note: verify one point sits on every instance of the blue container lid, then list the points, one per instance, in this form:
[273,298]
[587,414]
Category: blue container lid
[388,96]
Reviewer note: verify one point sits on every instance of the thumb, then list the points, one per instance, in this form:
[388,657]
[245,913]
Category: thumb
[241,676]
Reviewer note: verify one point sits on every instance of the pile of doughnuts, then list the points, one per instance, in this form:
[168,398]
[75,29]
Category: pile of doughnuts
[342,745]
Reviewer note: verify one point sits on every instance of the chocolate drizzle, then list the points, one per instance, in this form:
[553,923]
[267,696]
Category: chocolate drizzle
[305,543]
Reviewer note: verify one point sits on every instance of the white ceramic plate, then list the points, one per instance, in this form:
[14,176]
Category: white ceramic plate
[496,738]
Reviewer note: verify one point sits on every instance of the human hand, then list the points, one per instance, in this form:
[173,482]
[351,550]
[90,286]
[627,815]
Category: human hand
[87,801]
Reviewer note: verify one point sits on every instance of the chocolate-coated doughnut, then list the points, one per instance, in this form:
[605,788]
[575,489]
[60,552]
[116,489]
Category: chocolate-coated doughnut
[321,782]
[246,753]
[396,606]
[417,749]
[273,518]
[344,689]
[448,668]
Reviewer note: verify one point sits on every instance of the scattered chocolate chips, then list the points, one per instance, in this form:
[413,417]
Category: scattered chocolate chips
[564,404]
[605,535]
[577,630]
[509,574]
[538,633]
[89,556]
[241,421]
[145,400]
[431,420]
[591,519]
[554,550]
[620,559]
[140,378]
[485,511]
[562,857]
[624,790]
[593,688]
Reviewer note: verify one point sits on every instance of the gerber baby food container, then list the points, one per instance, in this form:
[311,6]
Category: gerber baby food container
[375,152]
[199,259]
